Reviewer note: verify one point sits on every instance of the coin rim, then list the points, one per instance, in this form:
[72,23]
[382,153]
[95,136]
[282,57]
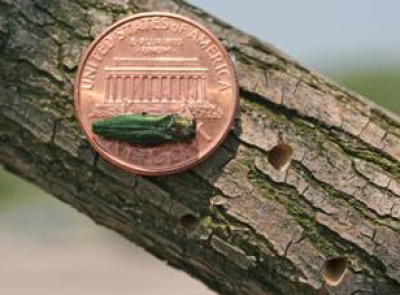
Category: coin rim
[124,164]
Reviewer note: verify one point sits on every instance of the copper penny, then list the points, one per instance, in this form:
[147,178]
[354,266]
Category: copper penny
[157,63]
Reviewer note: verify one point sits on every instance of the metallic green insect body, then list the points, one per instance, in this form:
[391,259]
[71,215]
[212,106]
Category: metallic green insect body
[146,129]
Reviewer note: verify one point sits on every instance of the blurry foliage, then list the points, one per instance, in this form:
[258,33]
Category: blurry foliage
[14,189]
[380,85]
[8,184]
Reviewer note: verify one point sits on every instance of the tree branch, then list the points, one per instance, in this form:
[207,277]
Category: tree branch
[244,222]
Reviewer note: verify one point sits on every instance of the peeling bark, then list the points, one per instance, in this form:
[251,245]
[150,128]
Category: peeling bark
[235,222]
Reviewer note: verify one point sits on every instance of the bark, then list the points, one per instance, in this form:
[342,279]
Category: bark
[235,222]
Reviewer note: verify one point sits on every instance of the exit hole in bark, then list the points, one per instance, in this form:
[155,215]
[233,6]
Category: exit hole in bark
[334,270]
[189,222]
[280,156]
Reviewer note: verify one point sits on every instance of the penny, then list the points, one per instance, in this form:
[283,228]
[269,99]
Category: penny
[149,69]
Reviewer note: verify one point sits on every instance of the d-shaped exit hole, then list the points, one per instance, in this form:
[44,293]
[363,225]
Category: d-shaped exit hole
[280,156]
[189,222]
[334,270]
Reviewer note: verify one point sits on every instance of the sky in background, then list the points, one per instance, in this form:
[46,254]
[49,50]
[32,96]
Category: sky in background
[322,34]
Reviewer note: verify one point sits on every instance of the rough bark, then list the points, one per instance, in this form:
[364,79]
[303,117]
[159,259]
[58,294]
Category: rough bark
[235,222]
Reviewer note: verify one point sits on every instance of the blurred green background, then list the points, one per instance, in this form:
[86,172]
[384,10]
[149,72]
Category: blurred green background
[44,244]
[379,84]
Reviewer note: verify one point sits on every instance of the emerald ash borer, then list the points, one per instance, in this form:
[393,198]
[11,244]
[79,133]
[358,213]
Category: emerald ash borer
[146,129]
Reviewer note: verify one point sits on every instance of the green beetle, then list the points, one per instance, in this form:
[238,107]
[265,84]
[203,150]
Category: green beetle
[146,129]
